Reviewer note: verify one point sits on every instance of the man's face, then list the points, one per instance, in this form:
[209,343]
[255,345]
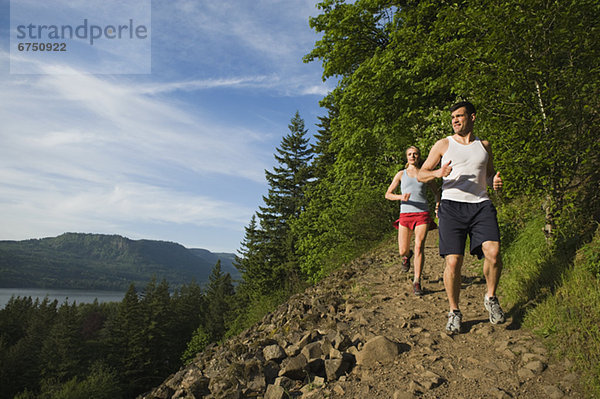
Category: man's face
[462,122]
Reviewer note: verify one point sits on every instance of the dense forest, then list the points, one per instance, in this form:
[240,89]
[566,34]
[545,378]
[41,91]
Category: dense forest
[103,262]
[108,350]
[530,67]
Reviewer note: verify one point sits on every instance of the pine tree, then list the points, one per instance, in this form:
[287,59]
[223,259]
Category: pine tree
[276,262]
[61,350]
[189,310]
[249,251]
[129,342]
[157,308]
[218,296]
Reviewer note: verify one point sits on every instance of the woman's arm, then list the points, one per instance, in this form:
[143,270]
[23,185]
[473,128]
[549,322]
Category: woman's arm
[389,194]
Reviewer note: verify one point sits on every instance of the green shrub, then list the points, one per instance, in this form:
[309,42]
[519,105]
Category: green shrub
[199,341]
[101,383]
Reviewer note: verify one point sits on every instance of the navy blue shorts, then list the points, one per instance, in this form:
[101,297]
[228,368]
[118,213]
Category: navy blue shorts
[459,219]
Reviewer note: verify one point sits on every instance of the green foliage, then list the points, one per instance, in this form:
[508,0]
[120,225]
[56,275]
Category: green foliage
[99,384]
[218,297]
[524,263]
[61,349]
[268,254]
[589,257]
[570,319]
[514,216]
[249,310]
[23,327]
[199,341]
[351,34]
[529,67]
[97,350]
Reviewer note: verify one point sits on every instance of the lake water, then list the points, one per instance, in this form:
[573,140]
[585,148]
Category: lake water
[79,296]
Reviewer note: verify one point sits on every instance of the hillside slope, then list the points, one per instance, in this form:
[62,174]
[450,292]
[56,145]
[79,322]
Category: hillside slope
[97,261]
[361,333]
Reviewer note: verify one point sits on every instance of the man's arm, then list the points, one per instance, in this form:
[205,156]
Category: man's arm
[426,173]
[493,177]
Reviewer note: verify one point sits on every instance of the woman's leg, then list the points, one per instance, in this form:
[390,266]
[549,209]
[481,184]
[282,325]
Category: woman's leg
[404,234]
[420,235]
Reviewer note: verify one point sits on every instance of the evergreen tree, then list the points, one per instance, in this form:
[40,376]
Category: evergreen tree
[27,325]
[218,297]
[128,342]
[276,264]
[250,249]
[189,312]
[156,305]
[61,349]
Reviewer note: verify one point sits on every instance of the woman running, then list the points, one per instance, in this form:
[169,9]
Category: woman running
[414,213]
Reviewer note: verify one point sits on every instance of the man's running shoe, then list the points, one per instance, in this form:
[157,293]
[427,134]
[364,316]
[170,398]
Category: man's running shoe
[417,289]
[406,262]
[454,320]
[493,306]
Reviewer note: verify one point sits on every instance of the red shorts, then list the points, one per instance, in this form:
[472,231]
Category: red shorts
[413,219]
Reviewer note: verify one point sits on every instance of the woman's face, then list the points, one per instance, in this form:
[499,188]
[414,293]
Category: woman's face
[412,156]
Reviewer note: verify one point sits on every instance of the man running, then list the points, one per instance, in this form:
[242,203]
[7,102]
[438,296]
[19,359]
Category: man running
[466,169]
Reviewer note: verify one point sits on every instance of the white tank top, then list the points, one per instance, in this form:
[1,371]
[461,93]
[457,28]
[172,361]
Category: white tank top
[468,180]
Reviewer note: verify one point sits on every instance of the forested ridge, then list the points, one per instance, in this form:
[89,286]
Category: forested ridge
[106,262]
[530,67]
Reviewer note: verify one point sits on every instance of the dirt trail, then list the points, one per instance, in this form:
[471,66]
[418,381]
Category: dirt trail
[485,361]
[296,351]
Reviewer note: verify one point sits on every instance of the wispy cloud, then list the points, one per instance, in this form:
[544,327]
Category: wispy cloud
[258,38]
[192,85]
[89,153]
[182,150]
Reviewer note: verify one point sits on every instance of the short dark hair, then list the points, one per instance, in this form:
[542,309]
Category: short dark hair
[470,107]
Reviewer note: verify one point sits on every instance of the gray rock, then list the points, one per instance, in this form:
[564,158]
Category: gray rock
[378,349]
[341,342]
[287,383]
[334,368]
[312,351]
[274,352]
[275,392]
[536,366]
[525,373]
[553,392]
[294,367]
[499,393]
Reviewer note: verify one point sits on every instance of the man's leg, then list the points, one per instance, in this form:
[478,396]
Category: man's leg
[452,279]
[492,266]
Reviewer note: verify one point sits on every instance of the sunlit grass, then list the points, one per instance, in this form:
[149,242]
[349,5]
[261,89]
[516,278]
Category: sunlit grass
[523,260]
[570,319]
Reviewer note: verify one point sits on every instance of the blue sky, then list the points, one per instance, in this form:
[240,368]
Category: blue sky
[177,154]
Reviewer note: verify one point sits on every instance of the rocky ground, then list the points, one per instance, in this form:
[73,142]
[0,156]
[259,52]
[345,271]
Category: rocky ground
[361,333]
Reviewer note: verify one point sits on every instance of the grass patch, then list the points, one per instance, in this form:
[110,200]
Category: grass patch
[523,259]
[570,319]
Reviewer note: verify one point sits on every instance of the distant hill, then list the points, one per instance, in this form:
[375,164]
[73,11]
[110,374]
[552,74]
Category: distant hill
[97,261]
